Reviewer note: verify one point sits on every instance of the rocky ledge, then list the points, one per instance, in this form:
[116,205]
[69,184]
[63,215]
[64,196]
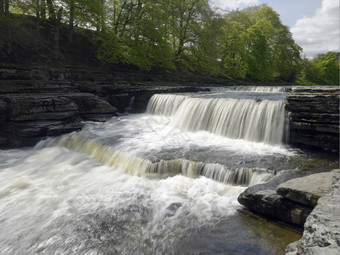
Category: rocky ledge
[314,117]
[27,118]
[288,197]
[36,102]
[321,234]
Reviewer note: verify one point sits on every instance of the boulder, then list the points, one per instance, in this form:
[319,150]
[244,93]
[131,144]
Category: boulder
[288,197]
[321,234]
[307,190]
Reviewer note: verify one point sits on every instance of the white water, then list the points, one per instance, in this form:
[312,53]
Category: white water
[249,88]
[263,121]
[55,201]
[137,184]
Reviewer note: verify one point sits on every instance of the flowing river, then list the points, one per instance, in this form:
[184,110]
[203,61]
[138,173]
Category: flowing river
[162,182]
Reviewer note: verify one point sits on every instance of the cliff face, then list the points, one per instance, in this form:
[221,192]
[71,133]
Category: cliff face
[314,113]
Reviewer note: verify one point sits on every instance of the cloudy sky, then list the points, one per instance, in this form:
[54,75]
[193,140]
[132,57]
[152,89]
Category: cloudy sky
[313,23]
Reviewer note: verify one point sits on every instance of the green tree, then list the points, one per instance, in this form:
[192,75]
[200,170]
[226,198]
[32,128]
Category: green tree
[327,68]
[234,50]
[257,45]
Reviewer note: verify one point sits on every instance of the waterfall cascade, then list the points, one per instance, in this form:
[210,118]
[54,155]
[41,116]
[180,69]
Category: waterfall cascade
[252,120]
[164,168]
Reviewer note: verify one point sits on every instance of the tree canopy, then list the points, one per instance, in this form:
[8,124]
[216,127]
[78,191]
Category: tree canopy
[187,34]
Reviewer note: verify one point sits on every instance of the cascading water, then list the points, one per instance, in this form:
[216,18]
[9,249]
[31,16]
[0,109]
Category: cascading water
[259,121]
[163,182]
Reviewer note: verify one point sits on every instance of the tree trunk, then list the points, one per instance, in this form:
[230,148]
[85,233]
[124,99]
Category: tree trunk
[51,12]
[57,31]
[6,6]
[70,27]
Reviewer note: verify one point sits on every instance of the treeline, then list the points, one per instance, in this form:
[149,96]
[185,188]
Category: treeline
[181,34]
[323,69]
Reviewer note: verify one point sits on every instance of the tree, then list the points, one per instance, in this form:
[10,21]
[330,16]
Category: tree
[327,67]
[257,45]
[234,50]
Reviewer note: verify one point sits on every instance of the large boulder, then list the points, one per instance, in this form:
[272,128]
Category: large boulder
[273,200]
[307,190]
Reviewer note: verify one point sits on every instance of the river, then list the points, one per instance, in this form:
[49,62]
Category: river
[162,182]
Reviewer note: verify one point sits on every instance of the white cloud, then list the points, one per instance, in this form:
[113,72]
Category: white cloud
[233,4]
[320,33]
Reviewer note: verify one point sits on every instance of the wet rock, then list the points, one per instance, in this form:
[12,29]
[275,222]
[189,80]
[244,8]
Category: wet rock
[314,113]
[3,110]
[28,133]
[172,209]
[321,234]
[287,197]
[28,118]
[307,190]
[39,107]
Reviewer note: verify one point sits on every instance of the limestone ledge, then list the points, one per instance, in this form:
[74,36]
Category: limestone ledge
[287,197]
[321,234]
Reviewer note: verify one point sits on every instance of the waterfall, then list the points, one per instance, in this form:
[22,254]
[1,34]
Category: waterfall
[164,168]
[267,89]
[248,119]
[165,105]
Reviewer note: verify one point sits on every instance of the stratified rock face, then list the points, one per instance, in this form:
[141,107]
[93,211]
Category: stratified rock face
[314,113]
[306,190]
[27,118]
[286,198]
[322,229]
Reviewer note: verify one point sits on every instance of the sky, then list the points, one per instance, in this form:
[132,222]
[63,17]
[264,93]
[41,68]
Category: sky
[313,23]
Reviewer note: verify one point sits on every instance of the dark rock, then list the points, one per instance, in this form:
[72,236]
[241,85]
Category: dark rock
[264,199]
[28,133]
[28,118]
[314,114]
[3,110]
[39,107]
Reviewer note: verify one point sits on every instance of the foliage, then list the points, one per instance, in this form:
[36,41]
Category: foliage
[323,69]
[188,34]
[257,45]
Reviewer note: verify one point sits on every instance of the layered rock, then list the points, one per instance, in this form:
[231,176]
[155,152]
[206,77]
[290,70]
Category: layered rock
[287,198]
[314,113]
[27,118]
[38,102]
[321,234]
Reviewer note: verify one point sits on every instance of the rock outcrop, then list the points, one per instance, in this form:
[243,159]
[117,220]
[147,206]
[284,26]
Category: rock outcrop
[288,197]
[38,102]
[27,118]
[306,190]
[314,113]
[321,234]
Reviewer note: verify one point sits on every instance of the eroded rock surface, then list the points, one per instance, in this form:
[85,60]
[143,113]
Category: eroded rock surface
[27,118]
[307,190]
[321,234]
[279,199]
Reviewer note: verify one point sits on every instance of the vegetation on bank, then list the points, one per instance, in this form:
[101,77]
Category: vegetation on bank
[249,44]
